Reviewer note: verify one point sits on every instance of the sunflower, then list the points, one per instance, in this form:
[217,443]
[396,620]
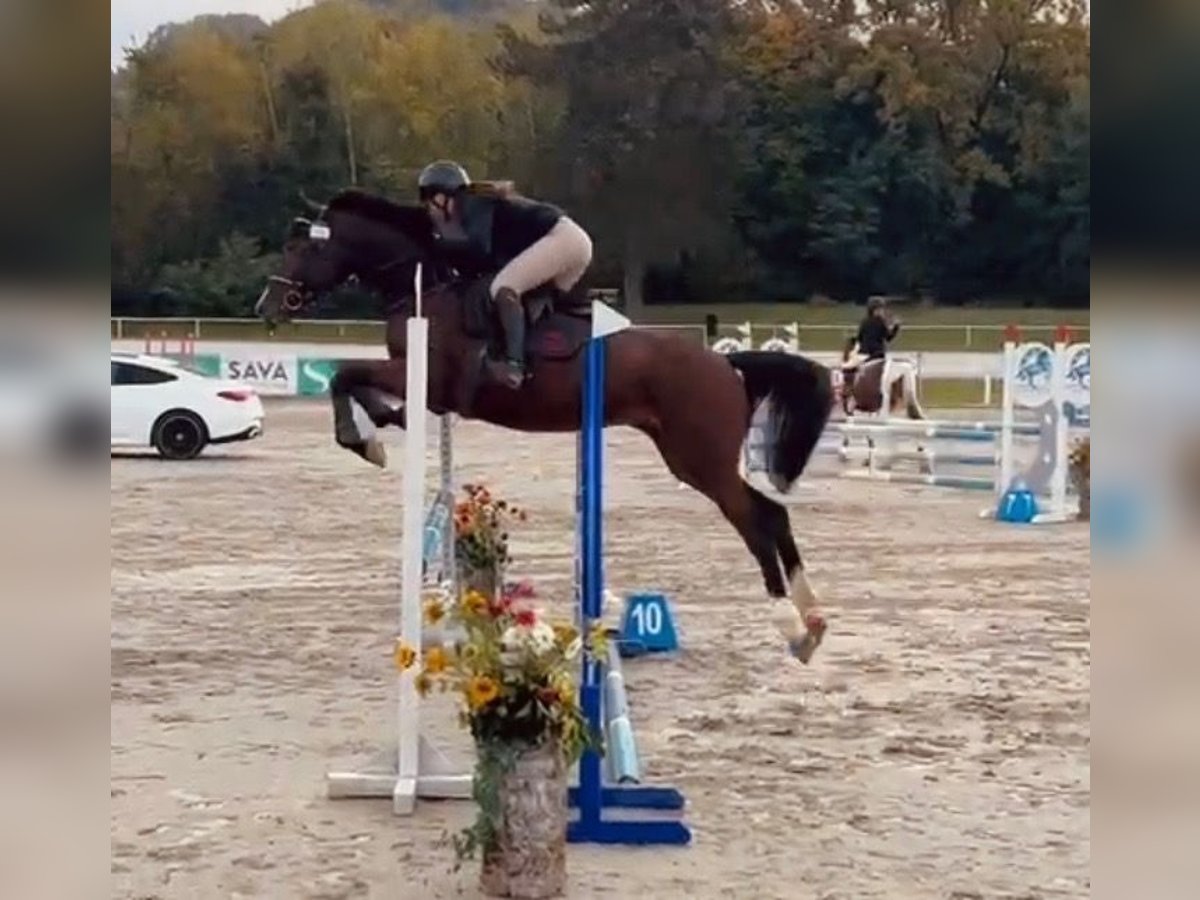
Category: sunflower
[435,610]
[404,656]
[436,660]
[481,690]
[475,603]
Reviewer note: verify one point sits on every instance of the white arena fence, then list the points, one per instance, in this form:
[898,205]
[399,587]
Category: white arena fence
[304,368]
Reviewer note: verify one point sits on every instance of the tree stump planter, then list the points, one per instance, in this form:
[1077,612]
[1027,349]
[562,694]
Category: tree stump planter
[486,581]
[1080,473]
[528,857]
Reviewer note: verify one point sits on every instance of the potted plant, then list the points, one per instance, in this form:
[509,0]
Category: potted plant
[513,672]
[1080,471]
[481,539]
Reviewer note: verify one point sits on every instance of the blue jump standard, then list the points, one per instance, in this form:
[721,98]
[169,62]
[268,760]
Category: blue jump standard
[592,796]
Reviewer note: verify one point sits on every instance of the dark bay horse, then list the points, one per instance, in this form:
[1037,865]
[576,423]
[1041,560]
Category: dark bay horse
[694,404]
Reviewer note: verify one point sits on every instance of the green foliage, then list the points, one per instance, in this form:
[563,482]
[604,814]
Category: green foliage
[219,285]
[945,153]
[713,149]
[493,761]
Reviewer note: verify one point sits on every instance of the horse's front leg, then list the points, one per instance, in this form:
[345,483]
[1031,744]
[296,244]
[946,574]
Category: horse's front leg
[361,404]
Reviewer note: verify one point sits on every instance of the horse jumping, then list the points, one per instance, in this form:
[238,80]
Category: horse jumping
[694,404]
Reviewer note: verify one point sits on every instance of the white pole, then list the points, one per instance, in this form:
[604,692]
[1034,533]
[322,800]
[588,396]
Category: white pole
[413,765]
[417,290]
[1006,418]
[1058,393]
[408,725]
[445,445]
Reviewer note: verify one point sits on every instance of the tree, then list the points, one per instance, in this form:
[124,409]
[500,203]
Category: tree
[643,147]
[711,147]
[898,138]
[220,285]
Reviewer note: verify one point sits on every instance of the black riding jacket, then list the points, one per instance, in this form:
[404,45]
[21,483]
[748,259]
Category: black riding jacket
[874,336]
[492,231]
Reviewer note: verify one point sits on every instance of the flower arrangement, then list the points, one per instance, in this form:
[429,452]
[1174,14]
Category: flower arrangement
[513,671]
[1080,470]
[481,525]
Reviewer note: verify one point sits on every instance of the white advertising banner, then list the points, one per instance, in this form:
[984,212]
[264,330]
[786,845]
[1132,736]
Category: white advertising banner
[269,372]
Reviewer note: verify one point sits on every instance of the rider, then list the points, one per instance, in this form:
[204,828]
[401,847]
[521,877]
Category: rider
[877,329]
[529,242]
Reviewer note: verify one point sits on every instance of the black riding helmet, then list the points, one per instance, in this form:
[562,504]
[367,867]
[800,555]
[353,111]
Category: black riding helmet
[442,177]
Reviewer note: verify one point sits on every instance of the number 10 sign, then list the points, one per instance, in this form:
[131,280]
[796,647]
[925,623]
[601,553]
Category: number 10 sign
[647,625]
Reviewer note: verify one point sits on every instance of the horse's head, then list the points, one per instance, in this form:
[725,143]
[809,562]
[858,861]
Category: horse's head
[313,263]
[356,235]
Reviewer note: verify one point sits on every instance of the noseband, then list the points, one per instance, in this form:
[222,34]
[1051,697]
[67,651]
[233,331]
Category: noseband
[296,294]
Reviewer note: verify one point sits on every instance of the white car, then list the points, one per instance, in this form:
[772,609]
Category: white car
[159,403]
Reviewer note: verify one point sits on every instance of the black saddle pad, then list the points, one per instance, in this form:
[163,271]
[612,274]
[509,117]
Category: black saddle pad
[558,323]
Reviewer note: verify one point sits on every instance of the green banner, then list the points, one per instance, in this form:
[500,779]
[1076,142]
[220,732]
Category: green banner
[207,364]
[313,376]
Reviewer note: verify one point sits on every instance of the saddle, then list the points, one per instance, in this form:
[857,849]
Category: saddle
[557,323]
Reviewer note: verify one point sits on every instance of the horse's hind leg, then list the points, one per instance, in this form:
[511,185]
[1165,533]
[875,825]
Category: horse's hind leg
[763,526]
[804,601]
[912,404]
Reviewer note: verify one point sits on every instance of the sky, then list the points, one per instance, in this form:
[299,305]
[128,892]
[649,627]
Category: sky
[133,20]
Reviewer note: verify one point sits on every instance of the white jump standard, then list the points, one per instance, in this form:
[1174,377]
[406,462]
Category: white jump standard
[414,767]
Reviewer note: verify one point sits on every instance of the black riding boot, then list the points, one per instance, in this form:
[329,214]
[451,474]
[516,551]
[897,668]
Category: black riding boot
[511,372]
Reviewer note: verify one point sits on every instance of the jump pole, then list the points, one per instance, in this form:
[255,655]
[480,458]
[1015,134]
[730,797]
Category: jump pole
[593,796]
[414,768]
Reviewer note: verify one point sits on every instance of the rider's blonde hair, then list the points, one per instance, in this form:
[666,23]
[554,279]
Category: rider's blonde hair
[502,189]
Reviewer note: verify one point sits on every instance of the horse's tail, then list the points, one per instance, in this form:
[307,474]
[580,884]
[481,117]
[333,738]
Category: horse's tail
[799,393]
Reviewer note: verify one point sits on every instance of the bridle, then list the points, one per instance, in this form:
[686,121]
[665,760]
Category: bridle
[297,294]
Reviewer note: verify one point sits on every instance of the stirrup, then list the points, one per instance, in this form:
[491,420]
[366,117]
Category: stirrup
[507,372]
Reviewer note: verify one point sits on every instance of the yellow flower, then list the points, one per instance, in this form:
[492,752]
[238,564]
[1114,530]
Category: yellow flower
[424,684]
[435,610]
[404,656]
[481,690]
[436,660]
[569,730]
[565,687]
[598,641]
[475,603]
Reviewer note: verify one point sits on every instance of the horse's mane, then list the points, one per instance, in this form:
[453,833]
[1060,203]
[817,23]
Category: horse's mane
[412,220]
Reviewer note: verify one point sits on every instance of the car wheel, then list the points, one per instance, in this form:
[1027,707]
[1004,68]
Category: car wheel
[179,434]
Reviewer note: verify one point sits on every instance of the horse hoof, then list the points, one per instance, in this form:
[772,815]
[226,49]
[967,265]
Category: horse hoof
[804,648]
[375,453]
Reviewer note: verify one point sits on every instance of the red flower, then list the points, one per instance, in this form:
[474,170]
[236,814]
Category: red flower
[526,617]
[500,607]
[517,590]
